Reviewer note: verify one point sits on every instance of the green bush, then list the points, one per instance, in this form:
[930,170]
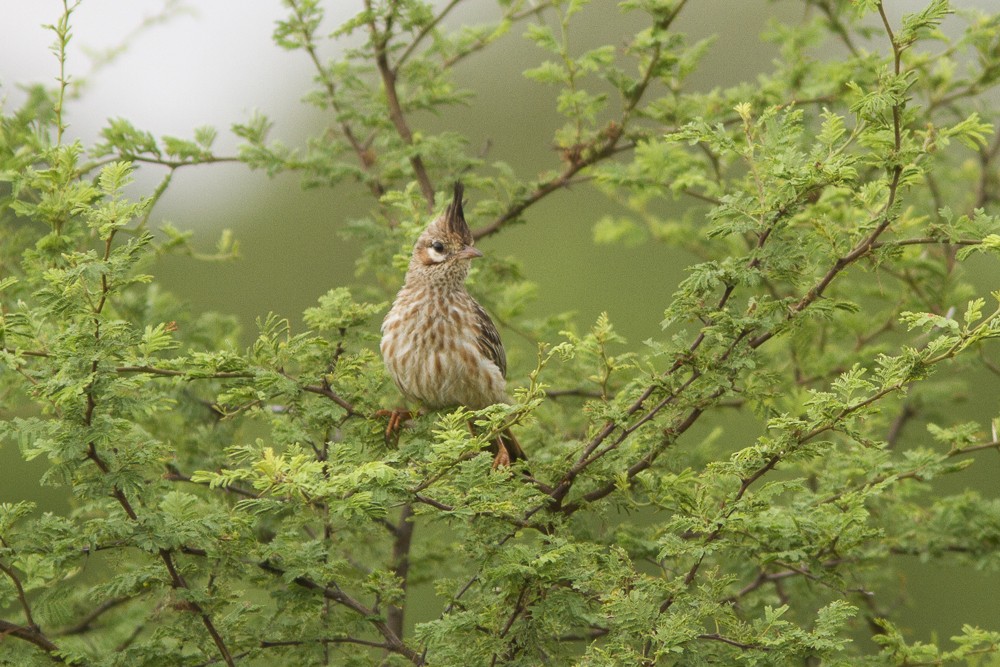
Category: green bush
[239,504]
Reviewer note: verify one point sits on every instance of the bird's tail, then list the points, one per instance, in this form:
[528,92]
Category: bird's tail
[513,447]
[506,449]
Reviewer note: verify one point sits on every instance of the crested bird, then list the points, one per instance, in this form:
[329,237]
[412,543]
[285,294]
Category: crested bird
[439,345]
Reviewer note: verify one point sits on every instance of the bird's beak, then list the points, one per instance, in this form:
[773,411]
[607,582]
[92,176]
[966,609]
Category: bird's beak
[468,252]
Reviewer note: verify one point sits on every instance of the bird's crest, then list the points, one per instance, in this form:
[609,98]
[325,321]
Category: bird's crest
[453,220]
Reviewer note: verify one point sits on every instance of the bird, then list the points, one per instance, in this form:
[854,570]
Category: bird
[439,345]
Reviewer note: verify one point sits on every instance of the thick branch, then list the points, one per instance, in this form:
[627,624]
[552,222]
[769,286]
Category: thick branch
[33,636]
[401,566]
[176,580]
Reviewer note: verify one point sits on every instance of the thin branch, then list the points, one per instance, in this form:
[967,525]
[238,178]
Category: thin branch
[322,390]
[897,58]
[419,37]
[190,375]
[594,632]
[542,190]
[483,42]
[865,246]
[764,577]
[838,28]
[770,464]
[155,198]
[588,455]
[606,144]
[325,390]
[470,583]
[63,35]
[163,162]
[175,475]
[433,503]
[364,153]
[26,353]
[581,393]
[334,593]
[21,597]
[177,164]
[519,608]
[323,640]
[914,473]
[968,90]
[862,249]
[85,624]
[925,241]
[960,451]
[132,636]
[986,173]
[380,42]
[714,636]
[896,427]
[988,363]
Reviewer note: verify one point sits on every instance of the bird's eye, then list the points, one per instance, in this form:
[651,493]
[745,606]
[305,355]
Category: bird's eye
[437,246]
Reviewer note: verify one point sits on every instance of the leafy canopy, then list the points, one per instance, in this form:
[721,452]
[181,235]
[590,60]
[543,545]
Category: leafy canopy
[235,501]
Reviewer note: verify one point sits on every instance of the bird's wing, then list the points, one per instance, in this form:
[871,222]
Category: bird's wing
[488,339]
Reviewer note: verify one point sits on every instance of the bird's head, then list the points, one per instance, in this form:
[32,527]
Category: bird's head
[446,244]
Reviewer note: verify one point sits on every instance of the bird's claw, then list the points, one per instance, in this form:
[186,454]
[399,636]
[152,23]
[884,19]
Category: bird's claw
[502,459]
[395,425]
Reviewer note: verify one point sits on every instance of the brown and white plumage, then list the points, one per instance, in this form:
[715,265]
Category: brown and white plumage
[439,345]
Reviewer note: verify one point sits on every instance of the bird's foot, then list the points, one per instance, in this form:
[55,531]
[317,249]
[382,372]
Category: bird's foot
[502,459]
[395,425]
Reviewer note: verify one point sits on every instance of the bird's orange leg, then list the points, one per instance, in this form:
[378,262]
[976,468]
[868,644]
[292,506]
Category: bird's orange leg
[395,425]
[502,457]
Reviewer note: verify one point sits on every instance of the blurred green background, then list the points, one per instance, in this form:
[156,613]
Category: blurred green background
[214,67]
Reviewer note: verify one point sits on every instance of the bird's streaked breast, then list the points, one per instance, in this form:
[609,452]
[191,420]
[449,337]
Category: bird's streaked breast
[430,349]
